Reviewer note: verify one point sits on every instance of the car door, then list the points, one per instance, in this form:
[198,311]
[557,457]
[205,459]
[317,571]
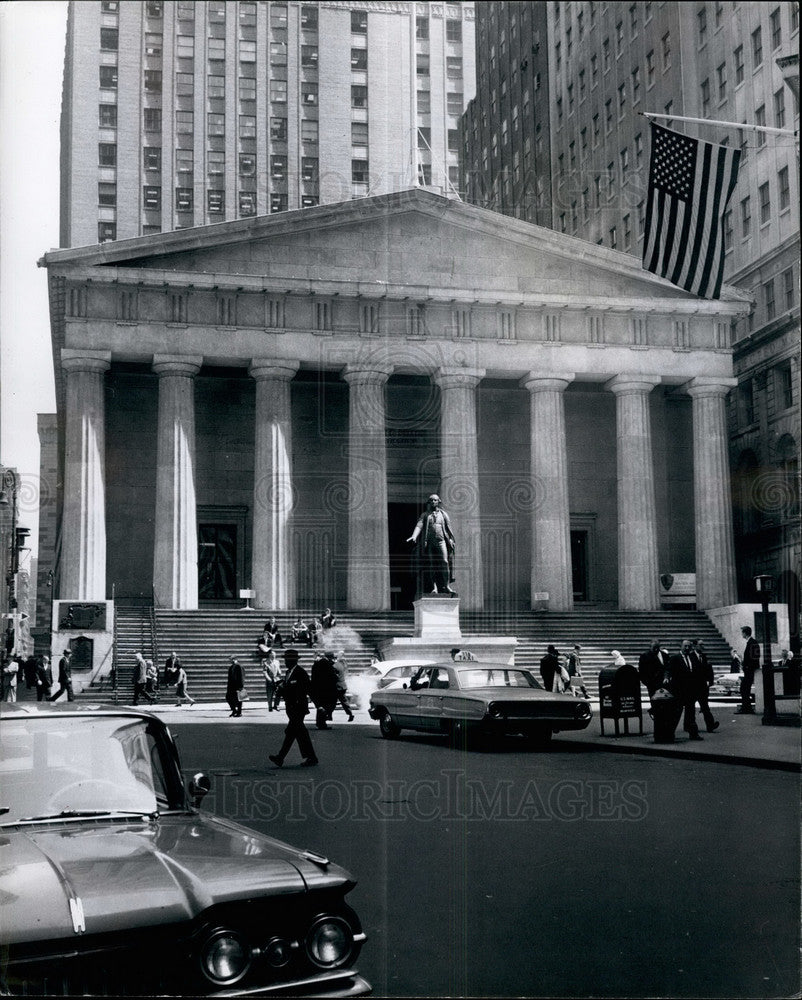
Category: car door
[432,699]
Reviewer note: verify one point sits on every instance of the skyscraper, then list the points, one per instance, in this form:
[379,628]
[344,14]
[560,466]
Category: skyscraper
[179,114]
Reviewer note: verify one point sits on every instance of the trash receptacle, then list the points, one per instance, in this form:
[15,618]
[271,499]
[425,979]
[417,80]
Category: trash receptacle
[666,712]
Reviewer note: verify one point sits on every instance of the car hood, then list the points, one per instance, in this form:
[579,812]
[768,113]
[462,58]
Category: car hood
[73,878]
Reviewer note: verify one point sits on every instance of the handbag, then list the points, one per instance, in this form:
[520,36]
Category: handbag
[242,695]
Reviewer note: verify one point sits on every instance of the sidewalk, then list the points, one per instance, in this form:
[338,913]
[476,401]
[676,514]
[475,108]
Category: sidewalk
[740,739]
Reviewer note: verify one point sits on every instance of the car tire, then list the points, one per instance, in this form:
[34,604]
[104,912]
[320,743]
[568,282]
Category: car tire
[388,726]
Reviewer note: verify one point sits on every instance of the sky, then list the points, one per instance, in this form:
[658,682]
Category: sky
[32,36]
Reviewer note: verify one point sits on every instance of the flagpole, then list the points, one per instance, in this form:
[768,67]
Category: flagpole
[710,121]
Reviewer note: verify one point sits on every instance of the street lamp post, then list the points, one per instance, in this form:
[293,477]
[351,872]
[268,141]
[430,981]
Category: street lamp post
[764,585]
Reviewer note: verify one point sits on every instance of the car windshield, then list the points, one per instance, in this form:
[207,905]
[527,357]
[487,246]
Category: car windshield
[75,765]
[478,677]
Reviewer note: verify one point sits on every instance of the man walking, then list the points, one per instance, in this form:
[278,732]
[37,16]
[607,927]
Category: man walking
[140,679]
[652,667]
[295,689]
[703,678]
[750,662]
[64,677]
[685,677]
[550,667]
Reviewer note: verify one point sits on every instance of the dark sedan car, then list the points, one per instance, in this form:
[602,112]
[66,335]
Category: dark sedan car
[113,883]
[477,697]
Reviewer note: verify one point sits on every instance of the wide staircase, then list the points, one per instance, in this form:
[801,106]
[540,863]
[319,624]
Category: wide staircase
[206,639]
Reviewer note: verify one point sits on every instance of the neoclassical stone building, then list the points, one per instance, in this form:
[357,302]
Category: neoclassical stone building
[266,403]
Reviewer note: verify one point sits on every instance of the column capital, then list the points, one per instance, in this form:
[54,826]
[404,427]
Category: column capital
[85,361]
[186,365]
[450,378]
[263,369]
[366,374]
[709,385]
[627,384]
[547,381]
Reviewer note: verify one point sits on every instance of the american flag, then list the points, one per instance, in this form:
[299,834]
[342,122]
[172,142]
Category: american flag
[690,184]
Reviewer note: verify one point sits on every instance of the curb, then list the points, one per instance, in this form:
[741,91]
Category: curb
[651,750]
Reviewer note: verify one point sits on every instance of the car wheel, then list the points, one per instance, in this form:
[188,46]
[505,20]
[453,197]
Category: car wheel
[387,725]
[539,738]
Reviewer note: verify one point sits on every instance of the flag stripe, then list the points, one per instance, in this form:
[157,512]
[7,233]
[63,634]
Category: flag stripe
[690,185]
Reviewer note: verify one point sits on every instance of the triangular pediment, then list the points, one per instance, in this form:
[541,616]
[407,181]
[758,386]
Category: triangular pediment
[414,240]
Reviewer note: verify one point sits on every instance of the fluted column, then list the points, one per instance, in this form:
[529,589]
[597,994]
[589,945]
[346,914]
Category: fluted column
[368,542]
[715,549]
[459,478]
[551,525]
[273,568]
[83,538]
[638,571]
[175,557]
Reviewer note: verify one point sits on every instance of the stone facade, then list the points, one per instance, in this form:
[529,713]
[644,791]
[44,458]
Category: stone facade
[272,401]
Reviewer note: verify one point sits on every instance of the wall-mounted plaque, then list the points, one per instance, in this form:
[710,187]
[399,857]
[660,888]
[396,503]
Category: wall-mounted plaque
[82,616]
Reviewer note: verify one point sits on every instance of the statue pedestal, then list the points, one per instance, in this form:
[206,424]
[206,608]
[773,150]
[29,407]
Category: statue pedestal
[437,632]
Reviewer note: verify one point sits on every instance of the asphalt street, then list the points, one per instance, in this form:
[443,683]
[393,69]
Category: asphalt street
[500,871]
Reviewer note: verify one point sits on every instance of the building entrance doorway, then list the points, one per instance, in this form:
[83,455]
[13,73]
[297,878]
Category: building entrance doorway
[401,519]
[217,562]
[579,564]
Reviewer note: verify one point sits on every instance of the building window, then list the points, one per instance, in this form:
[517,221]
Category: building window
[186,10]
[184,84]
[666,51]
[278,202]
[216,124]
[636,85]
[627,231]
[619,37]
[705,94]
[721,75]
[108,77]
[153,8]
[422,64]
[606,55]
[594,70]
[153,44]
[613,238]
[776,28]
[109,39]
[278,129]
[422,29]
[247,13]
[247,126]
[247,51]
[701,24]
[309,54]
[779,108]
[185,46]
[247,164]
[184,161]
[152,158]
[309,17]
[757,47]
[359,171]
[309,131]
[151,198]
[183,199]
[309,94]
[278,167]
[738,55]
[107,115]
[454,67]
[359,22]
[453,30]
[278,53]
[215,86]
[785,387]
[217,11]
[215,162]
[784,188]
[746,398]
[789,290]
[746,216]
[215,202]
[764,196]
[107,194]
[153,119]
[608,115]
[359,97]
[106,231]
[107,154]
[309,168]
[216,49]
[359,59]
[184,122]
[760,119]
[454,103]
[638,150]
[769,299]
[278,91]
[247,88]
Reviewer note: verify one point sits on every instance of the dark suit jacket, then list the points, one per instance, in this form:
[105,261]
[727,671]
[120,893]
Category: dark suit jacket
[684,679]
[651,669]
[235,681]
[295,691]
[549,666]
[751,657]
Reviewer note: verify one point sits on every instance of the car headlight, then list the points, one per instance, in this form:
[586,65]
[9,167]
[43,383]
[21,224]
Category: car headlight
[329,942]
[277,952]
[225,957]
[494,710]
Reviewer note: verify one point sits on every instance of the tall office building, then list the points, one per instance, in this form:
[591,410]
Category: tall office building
[601,65]
[179,114]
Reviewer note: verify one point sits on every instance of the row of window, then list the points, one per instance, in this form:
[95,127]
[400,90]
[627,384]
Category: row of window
[782,377]
[453,66]
[453,29]
[764,206]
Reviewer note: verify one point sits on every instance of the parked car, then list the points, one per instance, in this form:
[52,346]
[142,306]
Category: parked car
[477,697]
[380,674]
[396,672]
[114,883]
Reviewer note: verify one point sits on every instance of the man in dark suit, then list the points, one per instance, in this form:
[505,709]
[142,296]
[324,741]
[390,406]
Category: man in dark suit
[652,666]
[750,662]
[295,691]
[549,666]
[685,672]
[64,677]
[323,688]
[234,685]
[703,678]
